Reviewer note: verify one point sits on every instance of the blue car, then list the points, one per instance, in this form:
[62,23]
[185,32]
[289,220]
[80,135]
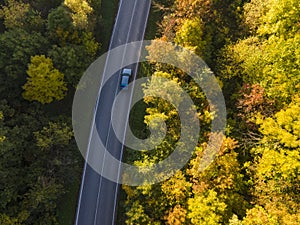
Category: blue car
[125,76]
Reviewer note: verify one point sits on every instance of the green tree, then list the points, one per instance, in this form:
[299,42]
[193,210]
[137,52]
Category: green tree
[2,137]
[16,154]
[44,82]
[36,166]
[6,220]
[14,14]
[17,14]
[17,46]
[44,7]
[59,24]
[73,59]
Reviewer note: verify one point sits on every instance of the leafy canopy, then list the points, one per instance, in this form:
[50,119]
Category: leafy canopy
[44,82]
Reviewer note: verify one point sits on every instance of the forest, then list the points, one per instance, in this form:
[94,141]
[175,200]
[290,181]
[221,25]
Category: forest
[251,46]
[45,46]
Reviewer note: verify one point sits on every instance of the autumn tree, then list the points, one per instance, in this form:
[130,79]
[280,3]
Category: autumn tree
[277,165]
[270,57]
[206,209]
[254,178]
[80,12]
[190,35]
[44,82]
[176,216]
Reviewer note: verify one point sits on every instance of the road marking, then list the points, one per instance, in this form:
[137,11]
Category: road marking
[110,126]
[127,121]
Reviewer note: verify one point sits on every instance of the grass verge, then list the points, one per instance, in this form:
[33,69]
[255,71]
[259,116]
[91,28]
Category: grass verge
[108,12]
[66,210]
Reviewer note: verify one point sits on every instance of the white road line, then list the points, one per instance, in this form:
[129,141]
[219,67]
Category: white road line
[93,123]
[130,101]
[110,126]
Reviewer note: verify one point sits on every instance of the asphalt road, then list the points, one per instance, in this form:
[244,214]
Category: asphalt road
[98,196]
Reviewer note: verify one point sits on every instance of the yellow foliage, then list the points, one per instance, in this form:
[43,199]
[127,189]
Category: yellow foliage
[44,82]
[80,11]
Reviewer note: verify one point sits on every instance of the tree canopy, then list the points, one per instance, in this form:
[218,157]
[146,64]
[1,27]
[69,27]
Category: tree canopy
[44,82]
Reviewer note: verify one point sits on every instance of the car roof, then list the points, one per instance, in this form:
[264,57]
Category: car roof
[125,79]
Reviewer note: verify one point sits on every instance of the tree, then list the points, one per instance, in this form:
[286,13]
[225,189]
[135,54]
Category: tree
[219,24]
[259,215]
[254,12]
[190,35]
[2,137]
[6,220]
[276,168]
[176,216]
[59,24]
[38,156]
[14,14]
[37,164]
[176,189]
[281,18]
[273,64]
[254,180]
[80,11]
[44,7]
[17,46]
[224,176]
[206,209]
[270,57]
[17,14]
[73,59]
[16,154]
[44,82]
[136,215]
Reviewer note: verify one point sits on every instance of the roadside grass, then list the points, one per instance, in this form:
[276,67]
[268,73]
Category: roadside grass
[67,208]
[108,12]
[152,26]
[138,112]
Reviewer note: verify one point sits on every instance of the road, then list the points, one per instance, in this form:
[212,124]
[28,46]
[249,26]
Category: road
[98,196]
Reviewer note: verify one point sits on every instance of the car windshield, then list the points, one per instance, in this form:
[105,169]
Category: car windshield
[126,72]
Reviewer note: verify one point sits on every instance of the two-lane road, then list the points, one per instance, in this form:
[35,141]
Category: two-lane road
[98,196]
